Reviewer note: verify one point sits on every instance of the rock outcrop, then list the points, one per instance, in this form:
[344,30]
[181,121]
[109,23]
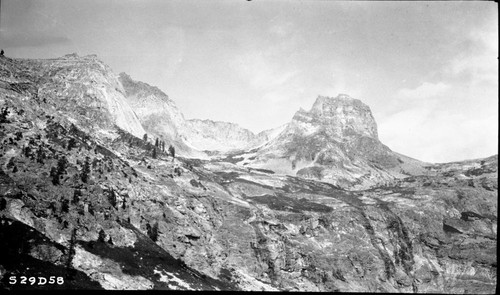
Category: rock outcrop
[82,89]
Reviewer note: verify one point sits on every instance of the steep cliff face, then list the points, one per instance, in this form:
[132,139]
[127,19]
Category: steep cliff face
[101,212]
[158,114]
[161,118]
[82,89]
[343,117]
[336,141]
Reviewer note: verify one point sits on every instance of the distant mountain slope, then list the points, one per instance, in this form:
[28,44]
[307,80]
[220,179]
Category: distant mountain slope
[219,136]
[161,118]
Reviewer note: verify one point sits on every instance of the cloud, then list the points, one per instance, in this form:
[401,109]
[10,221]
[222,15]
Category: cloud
[292,94]
[260,72]
[424,91]
[281,29]
[440,135]
[18,39]
[479,64]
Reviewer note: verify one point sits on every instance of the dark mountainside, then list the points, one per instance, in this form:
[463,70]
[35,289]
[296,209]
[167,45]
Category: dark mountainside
[84,197]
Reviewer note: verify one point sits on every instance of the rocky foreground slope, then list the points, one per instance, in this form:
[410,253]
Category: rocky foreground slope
[85,200]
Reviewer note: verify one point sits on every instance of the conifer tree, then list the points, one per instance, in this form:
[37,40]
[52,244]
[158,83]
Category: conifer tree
[54,175]
[102,236]
[71,253]
[40,155]
[171,151]
[86,170]
[3,115]
[112,197]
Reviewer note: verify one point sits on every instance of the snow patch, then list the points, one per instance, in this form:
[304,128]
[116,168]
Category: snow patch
[264,181]
[167,277]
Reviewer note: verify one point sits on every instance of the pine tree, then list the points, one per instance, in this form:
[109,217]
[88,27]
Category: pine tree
[54,175]
[27,151]
[171,151]
[76,196]
[40,155]
[65,206]
[145,137]
[112,197]
[71,143]
[152,231]
[3,203]
[62,163]
[3,115]
[102,236]
[71,254]
[86,170]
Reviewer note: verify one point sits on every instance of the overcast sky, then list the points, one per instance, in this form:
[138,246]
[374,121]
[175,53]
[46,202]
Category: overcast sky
[428,70]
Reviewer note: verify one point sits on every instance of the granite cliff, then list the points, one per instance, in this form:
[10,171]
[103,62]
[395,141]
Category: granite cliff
[84,197]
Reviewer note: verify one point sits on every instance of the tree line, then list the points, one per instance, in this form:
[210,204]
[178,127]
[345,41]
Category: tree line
[160,146]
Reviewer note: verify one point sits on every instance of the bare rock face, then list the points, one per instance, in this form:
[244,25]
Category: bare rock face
[158,114]
[343,116]
[83,89]
[336,141]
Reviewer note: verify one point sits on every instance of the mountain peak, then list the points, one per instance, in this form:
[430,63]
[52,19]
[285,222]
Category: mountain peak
[343,115]
[344,97]
[340,99]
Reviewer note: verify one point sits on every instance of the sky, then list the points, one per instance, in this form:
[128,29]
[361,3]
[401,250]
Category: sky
[428,70]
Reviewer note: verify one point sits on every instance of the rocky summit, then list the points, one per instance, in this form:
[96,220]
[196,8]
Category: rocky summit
[319,204]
